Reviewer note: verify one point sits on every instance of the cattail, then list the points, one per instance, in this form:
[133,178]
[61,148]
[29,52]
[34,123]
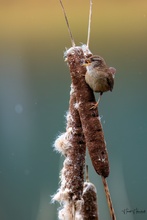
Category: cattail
[72,145]
[90,207]
[90,121]
[87,207]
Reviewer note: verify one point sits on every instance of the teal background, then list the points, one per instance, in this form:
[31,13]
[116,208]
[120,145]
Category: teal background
[34,96]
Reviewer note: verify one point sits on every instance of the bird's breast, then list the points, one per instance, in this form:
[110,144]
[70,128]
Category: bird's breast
[98,82]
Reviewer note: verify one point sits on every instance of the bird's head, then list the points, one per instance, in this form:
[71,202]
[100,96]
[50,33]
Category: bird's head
[94,61]
[97,62]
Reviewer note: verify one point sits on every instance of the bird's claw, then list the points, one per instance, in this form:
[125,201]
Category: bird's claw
[94,106]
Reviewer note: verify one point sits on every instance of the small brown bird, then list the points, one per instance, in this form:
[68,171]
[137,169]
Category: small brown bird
[99,76]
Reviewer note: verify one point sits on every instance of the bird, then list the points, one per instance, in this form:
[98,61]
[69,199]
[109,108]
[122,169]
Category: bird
[99,76]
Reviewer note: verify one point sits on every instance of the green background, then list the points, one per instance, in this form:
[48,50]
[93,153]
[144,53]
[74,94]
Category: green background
[34,96]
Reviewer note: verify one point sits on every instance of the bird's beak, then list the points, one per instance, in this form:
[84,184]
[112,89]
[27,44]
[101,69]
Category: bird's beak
[86,64]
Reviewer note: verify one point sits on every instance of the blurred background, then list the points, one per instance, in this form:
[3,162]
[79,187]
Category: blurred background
[34,96]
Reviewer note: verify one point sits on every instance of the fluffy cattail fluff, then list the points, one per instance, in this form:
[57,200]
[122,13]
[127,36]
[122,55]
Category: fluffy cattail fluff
[61,144]
[67,211]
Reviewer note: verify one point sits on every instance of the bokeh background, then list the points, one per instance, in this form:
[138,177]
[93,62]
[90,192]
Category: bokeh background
[34,96]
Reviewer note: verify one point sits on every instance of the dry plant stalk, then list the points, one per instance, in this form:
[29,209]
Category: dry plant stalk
[108,197]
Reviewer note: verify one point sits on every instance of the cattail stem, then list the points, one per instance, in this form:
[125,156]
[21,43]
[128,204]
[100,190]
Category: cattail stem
[68,26]
[108,197]
[89,23]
